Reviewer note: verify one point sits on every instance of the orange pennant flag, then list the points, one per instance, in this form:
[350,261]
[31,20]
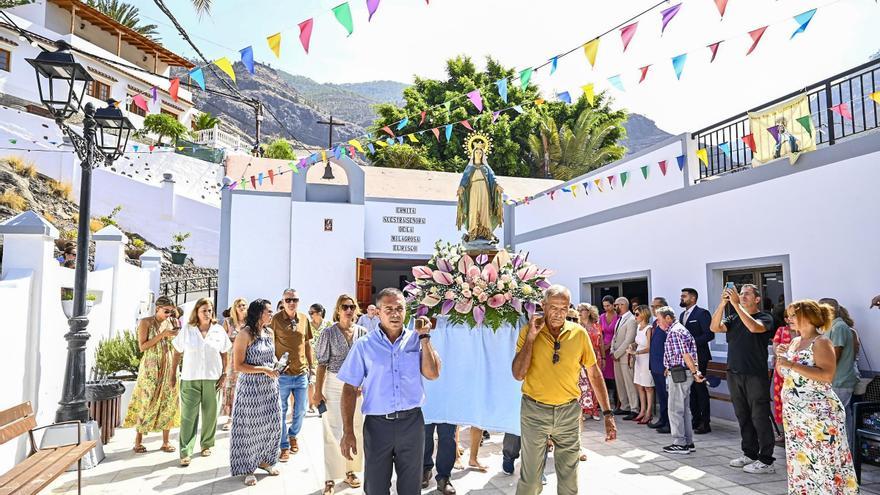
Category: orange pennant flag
[275,44]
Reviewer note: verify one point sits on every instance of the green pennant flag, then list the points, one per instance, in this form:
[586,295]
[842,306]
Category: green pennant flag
[807,123]
[343,15]
[525,76]
[645,171]
[448,105]
[623,177]
[293,167]
[13,141]
[242,184]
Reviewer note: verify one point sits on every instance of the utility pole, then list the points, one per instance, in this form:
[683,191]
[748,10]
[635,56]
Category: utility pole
[328,172]
[258,113]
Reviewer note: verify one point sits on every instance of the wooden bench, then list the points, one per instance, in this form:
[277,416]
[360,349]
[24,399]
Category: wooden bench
[42,466]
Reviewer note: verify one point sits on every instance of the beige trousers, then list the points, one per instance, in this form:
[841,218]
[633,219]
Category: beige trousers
[626,387]
[561,423]
[336,465]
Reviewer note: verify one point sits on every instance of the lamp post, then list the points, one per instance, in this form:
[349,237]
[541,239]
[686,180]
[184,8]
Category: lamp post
[62,83]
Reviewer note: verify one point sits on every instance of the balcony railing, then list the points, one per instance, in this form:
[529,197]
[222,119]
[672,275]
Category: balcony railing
[851,87]
[218,138]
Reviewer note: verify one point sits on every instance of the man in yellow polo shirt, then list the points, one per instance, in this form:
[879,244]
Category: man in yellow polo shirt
[549,355]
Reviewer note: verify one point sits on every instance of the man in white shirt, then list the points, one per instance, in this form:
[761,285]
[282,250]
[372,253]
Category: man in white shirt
[370,320]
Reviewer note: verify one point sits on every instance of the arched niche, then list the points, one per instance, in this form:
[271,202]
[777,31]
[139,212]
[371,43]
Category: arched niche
[346,187]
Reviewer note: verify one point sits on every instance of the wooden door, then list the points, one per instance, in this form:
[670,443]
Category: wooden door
[364,271]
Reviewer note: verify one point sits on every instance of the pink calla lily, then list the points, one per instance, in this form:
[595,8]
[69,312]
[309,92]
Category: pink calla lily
[517,261]
[473,272]
[447,306]
[421,272]
[540,283]
[479,314]
[501,259]
[465,263]
[442,277]
[482,259]
[464,307]
[527,273]
[431,300]
[517,304]
[497,301]
[490,273]
[445,265]
[530,308]
[421,311]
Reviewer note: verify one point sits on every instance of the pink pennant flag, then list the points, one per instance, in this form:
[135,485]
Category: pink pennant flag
[388,130]
[477,99]
[424,113]
[372,5]
[644,72]
[627,33]
[611,181]
[714,48]
[436,132]
[842,109]
[663,166]
[466,124]
[495,115]
[305,33]
[722,6]
[756,37]
[140,102]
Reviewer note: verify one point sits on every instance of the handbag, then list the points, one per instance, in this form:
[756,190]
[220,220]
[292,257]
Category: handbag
[678,374]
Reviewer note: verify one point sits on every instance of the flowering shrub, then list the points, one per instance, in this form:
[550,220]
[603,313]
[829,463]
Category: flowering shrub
[476,291]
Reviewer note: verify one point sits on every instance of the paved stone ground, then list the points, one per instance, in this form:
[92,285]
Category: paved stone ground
[634,464]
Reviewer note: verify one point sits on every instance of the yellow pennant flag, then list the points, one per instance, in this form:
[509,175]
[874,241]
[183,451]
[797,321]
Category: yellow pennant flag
[412,137]
[382,144]
[323,156]
[226,67]
[275,44]
[357,145]
[574,190]
[702,155]
[598,183]
[591,49]
[588,92]
[875,96]
[539,101]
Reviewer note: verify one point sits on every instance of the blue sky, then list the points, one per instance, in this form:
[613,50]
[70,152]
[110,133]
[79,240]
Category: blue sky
[408,37]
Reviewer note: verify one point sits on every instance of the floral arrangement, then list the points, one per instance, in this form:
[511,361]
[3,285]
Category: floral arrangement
[474,290]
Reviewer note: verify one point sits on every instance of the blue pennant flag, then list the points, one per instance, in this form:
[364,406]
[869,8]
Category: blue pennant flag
[400,139]
[678,64]
[680,159]
[372,149]
[519,109]
[448,132]
[260,178]
[197,76]
[564,96]
[403,123]
[135,147]
[553,62]
[725,148]
[247,58]
[616,82]
[337,152]
[803,20]
[502,89]
[390,141]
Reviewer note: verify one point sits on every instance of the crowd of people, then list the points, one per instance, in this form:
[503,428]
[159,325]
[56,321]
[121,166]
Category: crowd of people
[364,374]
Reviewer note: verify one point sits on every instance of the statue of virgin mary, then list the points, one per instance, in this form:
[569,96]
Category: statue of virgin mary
[480,205]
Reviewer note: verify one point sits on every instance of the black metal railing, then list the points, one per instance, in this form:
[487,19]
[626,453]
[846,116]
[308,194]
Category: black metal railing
[851,87]
[187,289]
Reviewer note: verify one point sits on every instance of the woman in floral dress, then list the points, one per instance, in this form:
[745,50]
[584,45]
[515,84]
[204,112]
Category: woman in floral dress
[232,325]
[154,400]
[588,317]
[817,453]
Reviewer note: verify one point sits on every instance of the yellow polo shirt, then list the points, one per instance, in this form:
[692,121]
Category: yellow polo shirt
[557,384]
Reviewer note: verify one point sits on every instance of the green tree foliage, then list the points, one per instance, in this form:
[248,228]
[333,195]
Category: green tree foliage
[510,132]
[404,156]
[164,125]
[279,149]
[205,121]
[126,14]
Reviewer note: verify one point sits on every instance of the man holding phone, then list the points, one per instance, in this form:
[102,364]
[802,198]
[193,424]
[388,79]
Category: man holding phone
[748,336]
[550,352]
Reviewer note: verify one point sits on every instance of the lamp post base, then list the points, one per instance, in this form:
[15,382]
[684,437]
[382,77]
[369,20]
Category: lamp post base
[66,435]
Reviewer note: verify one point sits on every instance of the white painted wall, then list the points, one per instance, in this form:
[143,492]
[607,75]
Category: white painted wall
[821,218]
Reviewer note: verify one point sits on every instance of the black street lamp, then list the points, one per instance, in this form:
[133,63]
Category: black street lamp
[62,83]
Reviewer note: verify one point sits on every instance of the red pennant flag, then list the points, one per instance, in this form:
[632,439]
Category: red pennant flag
[351,151]
[424,113]
[663,167]
[722,6]
[714,48]
[611,181]
[467,125]
[749,139]
[253,182]
[152,148]
[756,37]
[436,132]
[175,85]
[842,109]
[627,33]
[388,130]
[551,194]
[271,176]
[305,33]
[644,72]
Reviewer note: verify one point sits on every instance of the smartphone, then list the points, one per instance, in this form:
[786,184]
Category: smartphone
[420,323]
[730,285]
[322,407]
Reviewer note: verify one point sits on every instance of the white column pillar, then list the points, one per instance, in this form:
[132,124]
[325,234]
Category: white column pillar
[151,261]
[168,206]
[110,245]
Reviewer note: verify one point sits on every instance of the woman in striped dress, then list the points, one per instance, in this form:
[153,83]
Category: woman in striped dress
[255,438]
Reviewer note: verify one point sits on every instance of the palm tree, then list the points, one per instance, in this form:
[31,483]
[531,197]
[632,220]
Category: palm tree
[126,14]
[205,121]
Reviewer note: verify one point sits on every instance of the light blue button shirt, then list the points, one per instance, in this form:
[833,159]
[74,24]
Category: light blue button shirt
[389,374]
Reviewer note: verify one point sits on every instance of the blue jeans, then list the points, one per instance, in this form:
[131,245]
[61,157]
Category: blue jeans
[662,397]
[445,449]
[298,385]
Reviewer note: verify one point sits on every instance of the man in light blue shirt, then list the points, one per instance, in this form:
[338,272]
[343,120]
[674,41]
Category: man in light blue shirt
[388,366]
[370,320]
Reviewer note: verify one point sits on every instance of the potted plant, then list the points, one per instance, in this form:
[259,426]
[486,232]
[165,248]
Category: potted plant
[117,360]
[177,254]
[67,302]
[136,250]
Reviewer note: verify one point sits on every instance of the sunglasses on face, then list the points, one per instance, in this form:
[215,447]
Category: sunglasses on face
[167,311]
[571,318]
[556,346]
[291,300]
[348,307]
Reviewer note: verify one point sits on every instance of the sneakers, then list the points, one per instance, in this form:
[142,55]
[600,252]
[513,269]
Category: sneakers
[677,449]
[507,466]
[691,447]
[741,462]
[759,467]
[543,479]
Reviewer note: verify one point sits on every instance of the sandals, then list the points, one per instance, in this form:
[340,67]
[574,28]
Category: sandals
[250,480]
[272,470]
[226,427]
[207,452]
[139,449]
[352,480]
[168,448]
[328,488]
[184,462]
[583,458]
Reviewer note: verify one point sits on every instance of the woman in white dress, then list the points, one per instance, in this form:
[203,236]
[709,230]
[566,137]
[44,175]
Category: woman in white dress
[641,373]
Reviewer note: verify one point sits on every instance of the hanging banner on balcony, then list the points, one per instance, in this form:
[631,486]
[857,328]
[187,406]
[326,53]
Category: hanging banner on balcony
[779,131]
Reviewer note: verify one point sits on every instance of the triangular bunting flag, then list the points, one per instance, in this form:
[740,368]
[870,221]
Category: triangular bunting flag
[477,99]
[337,151]
[667,15]
[616,82]
[662,167]
[678,64]
[611,181]
[371,148]
[756,38]
[553,63]
[589,94]
[467,125]
[803,20]
[400,139]
[627,32]
[590,50]
[495,115]
[448,105]
[502,89]
[323,155]
[402,123]
[807,123]
[233,185]
[436,132]
[140,102]
[424,114]
[382,144]
[247,58]
[644,171]
[681,159]
[260,178]
[875,96]
[551,195]
[749,139]
[305,33]
[842,109]
[587,187]
[714,48]
[644,72]
[412,137]
[198,76]
[135,147]
[702,154]
[356,144]
[225,66]
[275,44]
[722,6]
[174,88]
[253,182]
[448,132]
[774,131]
[623,178]
[372,5]
[725,148]
[598,183]
[155,93]
[525,76]
[343,15]
[564,96]
[388,130]
[519,109]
